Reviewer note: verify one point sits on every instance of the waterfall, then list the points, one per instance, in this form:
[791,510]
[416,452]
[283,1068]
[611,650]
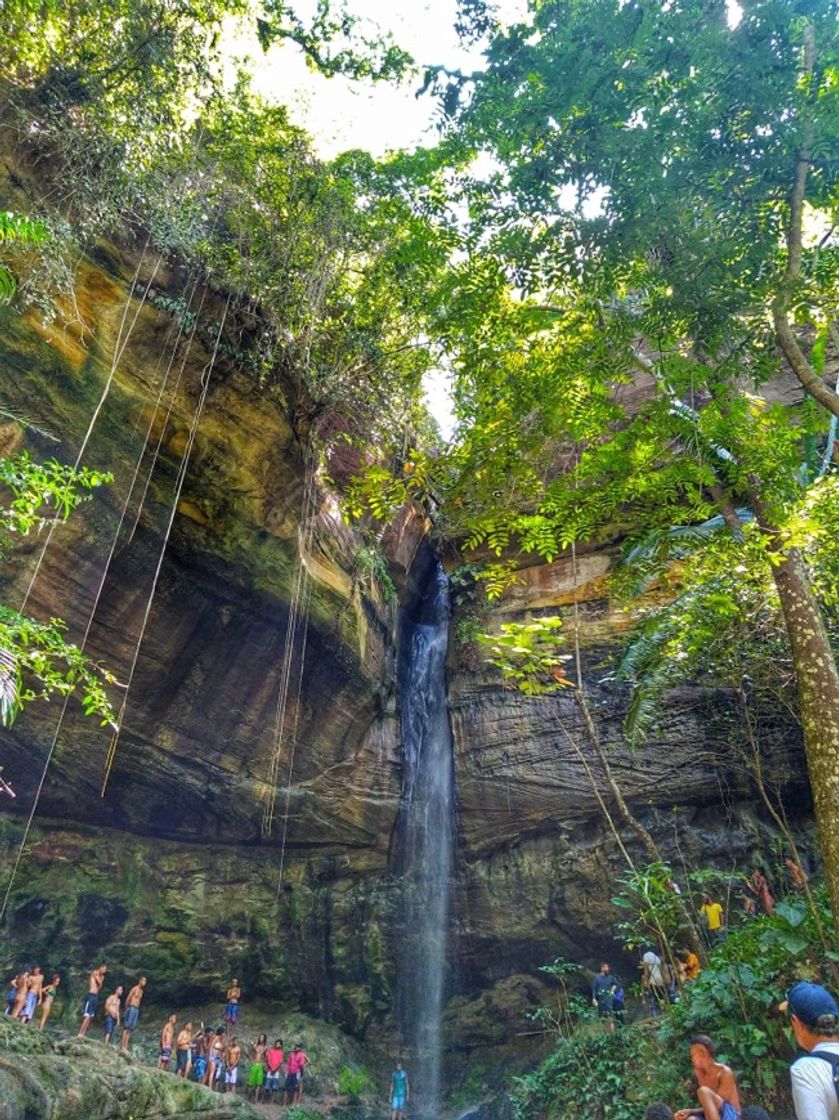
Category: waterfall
[425,835]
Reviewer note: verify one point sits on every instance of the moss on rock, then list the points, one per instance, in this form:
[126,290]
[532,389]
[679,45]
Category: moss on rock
[75,1079]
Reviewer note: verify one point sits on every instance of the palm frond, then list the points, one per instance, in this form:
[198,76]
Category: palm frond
[27,422]
[9,687]
[648,556]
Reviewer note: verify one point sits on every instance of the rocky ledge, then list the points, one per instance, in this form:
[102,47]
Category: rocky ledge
[46,1079]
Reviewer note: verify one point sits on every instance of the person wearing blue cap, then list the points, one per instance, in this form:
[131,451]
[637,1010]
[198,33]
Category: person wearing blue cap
[814,1017]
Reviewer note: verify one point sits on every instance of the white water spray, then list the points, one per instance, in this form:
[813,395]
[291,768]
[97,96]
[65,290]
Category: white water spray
[426,835]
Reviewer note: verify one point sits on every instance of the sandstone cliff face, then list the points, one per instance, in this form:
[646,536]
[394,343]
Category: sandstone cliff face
[537,864]
[195,752]
[169,871]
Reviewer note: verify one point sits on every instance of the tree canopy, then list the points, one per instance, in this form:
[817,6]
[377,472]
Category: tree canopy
[623,250]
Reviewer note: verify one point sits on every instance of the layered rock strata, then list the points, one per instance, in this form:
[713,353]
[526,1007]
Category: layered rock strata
[171,871]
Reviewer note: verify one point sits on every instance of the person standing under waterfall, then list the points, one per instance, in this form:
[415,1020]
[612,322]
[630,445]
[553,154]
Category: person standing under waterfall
[132,1013]
[399,1091]
[91,1001]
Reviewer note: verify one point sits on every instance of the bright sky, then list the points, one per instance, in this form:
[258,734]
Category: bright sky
[341,114]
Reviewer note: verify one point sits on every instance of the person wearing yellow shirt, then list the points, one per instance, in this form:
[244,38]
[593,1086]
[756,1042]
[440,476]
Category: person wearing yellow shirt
[688,965]
[713,915]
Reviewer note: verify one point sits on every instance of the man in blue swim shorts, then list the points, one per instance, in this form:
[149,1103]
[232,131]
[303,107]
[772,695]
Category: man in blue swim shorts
[716,1085]
[231,1012]
[35,985]
[132,1013]
[112,1013]
[91,1001]
[399,1090]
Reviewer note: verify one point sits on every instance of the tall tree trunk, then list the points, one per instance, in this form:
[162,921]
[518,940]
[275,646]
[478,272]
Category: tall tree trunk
[818,693]
[818,697]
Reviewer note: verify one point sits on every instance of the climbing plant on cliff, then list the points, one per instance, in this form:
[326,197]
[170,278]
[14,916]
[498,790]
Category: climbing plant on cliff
[328,262]
[16,230]
[36,660]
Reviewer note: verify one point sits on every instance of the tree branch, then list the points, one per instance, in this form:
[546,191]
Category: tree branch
[812,383]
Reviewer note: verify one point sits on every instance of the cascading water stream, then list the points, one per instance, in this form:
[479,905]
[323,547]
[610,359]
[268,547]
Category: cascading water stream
[425,835]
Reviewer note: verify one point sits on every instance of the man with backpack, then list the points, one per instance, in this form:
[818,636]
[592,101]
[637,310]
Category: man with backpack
[814,1016]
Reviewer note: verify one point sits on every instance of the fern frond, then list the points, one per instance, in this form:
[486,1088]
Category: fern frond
[7,285]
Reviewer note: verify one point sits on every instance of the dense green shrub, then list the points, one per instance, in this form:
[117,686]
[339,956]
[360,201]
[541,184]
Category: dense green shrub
[354,1082]
[734,1000]
[601,1077]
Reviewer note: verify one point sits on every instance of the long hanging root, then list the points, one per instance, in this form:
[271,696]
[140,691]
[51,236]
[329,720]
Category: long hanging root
[179,482]
[297,616]
[102,580]
[119,349]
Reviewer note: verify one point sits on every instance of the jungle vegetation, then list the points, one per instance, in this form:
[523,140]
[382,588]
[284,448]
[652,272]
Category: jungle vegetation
[623,248]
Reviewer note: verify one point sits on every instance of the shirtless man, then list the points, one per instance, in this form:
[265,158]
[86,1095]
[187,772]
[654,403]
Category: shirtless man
[166,1037]
[33,995]
[132,1013]
[112,1013]
[717,1089]
[231,1073]
[91,1000]
[234,993]
[797,875]
[183,1044]
[203,1045]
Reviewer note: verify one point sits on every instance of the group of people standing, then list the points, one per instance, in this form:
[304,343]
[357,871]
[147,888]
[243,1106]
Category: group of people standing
[27,991]
[210,1056]
[659,983]
[115,1013]
[214,1058]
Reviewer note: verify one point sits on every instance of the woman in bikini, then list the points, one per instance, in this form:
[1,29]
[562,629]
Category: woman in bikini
[46,1003]
[215,1056]
[21,986]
